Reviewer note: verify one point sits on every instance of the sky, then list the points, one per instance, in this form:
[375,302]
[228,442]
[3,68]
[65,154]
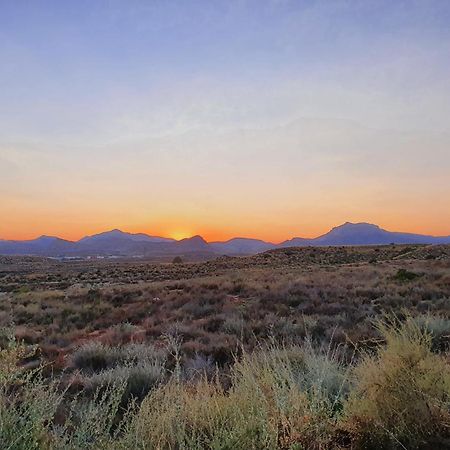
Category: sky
[262,118]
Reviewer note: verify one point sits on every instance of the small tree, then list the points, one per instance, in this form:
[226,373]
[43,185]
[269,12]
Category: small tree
[177,260]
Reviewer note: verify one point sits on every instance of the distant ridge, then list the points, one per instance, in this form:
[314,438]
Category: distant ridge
[242,246]
[369,234]
[119,243]
[118,234]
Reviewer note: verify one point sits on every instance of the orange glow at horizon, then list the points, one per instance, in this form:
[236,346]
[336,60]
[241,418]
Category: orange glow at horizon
[277,232]
[270,211]
[179,234]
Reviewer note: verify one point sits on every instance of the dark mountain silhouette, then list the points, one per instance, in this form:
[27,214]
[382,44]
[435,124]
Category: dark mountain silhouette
[43,245]
[113,235]
[195,243]
[238,246]
[296,242]
[119,243]
[367,234]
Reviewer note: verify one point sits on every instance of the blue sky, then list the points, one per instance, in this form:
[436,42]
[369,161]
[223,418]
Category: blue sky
[182,98]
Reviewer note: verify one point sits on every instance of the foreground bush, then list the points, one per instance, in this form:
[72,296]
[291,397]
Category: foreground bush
[27,404]
[402,395]
[292,397]
[279,398]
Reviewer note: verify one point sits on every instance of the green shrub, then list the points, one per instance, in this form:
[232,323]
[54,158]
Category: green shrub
[27,402]
[94,357]
[138,379]
[275,401]
[93,423]
[402,395]
[405,275]
[437,327]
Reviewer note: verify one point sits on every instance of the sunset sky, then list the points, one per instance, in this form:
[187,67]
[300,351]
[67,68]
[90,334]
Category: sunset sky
[267,119]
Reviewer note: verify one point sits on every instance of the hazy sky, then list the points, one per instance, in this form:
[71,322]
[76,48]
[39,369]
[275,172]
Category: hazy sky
[269,119]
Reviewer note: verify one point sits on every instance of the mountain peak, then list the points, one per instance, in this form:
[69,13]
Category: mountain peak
[194,243]
[361,233]
[356,225]
[44,237]
[348,228]
[196,238]
[113,232]
[116,235]
[110,233]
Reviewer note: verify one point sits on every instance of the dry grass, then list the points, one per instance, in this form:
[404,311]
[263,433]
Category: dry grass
[276,351]
[403,392]
[278,397]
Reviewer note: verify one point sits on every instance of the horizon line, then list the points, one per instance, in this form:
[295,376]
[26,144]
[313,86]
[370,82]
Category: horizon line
[225,240]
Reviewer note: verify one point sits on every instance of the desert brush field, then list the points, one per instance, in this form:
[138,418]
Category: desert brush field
[297,348]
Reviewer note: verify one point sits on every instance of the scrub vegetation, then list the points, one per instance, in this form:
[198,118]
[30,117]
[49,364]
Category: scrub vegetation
[343,348]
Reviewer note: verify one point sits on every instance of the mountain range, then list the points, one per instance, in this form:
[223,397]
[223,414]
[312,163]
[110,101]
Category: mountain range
[120,243]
